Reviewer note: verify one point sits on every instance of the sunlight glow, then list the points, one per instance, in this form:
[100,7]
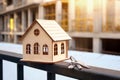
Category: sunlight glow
[90,6]
[87,4]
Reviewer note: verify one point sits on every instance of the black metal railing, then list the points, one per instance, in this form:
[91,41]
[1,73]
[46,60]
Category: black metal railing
[93,73]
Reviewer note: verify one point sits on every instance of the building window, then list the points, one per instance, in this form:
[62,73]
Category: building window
[9,2]
[36,32]
[34,13]
[36,48]
[45,49]
[28,49]
[64,20]
[55,49]
[83,22]
[49,10]
[62,48]
[19,21]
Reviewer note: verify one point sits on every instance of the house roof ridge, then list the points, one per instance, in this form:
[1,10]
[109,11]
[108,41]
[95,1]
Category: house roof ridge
[55,32]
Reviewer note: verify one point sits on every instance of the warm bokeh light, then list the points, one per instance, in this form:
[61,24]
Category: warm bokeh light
[81,3]
[90,5]
[48,0]
[11,24]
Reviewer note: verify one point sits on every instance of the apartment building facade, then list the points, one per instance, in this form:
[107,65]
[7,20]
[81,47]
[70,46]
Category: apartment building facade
[88,22]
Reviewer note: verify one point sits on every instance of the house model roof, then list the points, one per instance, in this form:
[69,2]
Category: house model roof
[52,28]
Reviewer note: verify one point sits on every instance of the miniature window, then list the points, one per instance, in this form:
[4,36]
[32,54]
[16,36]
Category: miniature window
[28,49]
[36,32]
[36,48]
[62,48]
[55,49]
[45,49]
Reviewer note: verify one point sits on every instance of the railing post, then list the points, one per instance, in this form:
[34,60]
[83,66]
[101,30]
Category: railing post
[20,72]
[1,69]
[50,76]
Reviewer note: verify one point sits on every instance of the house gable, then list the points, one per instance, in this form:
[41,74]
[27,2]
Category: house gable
[30,32]
[27,30]
[52,29]
[42,39]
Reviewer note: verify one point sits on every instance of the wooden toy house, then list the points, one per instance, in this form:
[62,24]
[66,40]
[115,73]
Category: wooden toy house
[45,41]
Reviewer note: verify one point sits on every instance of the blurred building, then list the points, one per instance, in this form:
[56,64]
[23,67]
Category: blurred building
[93,24]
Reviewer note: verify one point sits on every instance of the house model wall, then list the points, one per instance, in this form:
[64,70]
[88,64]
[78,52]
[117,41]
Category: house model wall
[45,41]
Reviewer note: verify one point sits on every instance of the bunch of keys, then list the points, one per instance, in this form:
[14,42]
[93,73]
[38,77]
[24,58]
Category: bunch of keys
[78,64]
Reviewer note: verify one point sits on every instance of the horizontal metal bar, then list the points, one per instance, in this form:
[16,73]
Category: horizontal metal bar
[94,73]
